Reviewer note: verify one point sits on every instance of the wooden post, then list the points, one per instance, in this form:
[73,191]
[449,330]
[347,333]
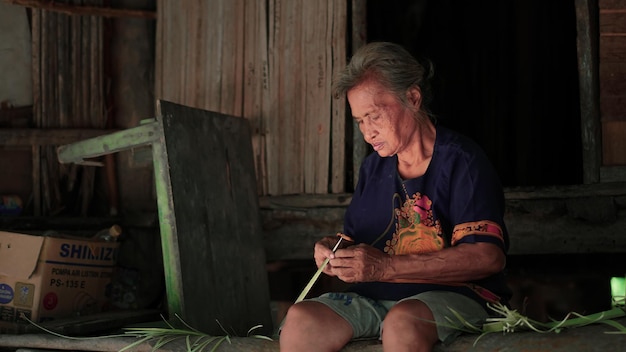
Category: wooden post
[587,44]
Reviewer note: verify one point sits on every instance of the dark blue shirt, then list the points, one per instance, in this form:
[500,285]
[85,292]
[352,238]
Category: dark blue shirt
[458,200]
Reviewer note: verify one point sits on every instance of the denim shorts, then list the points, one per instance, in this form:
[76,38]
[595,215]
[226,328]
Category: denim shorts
[366,315]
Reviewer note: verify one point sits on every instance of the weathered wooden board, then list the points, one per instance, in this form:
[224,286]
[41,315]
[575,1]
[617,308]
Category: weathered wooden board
[213,215]
[47,136]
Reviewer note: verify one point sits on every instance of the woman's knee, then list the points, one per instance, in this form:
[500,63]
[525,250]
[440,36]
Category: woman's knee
[410,318]
[299,316]
[313,317]
[314,324]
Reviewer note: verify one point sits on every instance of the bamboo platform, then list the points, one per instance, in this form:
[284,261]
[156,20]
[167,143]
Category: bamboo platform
[588,338]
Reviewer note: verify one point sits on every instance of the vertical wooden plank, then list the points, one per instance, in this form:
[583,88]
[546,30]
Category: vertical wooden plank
[253,81]
[95,103]
[308,45]
[189,24]
[317,36]
[192,92]
[182,44]
[205,53]
[238,73]
[47,84]
[37,93]
[100,106]
[230,32]
[86,68]
[294,98]
[96,99]
[273,98]
[43,81]
[75,75]
[321,76]
[217,47]
[587,47]
[612,76]
[286,130]
[41,98]
[229,35]
[185,51]
[287,113]
[36,176]
[159,52]
[359,38]
[174,50]
[338,106]
[61,117]
[264,58]
[62,60]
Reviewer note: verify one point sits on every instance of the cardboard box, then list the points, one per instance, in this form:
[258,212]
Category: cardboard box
[47,278]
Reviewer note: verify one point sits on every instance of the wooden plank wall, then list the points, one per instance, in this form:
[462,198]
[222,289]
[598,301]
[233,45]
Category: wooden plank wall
[68,92]
[271,62]
[613,81]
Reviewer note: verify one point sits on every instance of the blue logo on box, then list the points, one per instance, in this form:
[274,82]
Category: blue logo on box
[6,294]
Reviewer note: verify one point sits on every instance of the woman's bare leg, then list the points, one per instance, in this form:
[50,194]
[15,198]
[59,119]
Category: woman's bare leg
[409,326]
[312,326]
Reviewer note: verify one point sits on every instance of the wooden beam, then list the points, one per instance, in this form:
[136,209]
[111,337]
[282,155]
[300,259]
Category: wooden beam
[612,189]
[53,136]
[306,201]
[611,11]
[82,10]
[142,135]
[541,220]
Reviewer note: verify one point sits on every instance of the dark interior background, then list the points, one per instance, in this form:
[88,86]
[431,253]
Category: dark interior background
[505,74]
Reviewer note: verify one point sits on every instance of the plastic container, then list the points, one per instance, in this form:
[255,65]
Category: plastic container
[10,205]
[109,234]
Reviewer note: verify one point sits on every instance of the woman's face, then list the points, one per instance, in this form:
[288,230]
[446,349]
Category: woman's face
[385,122]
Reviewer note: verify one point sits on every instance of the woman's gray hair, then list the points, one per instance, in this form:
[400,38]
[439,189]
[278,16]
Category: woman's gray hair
[391,65]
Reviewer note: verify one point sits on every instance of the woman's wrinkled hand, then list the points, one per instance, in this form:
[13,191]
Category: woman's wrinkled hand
[360,263]
[324,250]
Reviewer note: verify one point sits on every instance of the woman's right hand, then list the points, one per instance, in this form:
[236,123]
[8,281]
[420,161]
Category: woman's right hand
[324,250]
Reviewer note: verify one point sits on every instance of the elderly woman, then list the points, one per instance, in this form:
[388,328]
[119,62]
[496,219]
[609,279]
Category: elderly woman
[426,220]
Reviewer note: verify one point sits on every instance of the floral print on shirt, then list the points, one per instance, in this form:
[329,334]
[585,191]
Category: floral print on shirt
[416,229]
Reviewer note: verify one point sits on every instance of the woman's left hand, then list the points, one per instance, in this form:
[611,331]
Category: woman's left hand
[360,263]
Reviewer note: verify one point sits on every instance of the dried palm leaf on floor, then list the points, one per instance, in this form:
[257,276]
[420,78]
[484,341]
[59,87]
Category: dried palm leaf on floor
[194,340]
[509,321]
